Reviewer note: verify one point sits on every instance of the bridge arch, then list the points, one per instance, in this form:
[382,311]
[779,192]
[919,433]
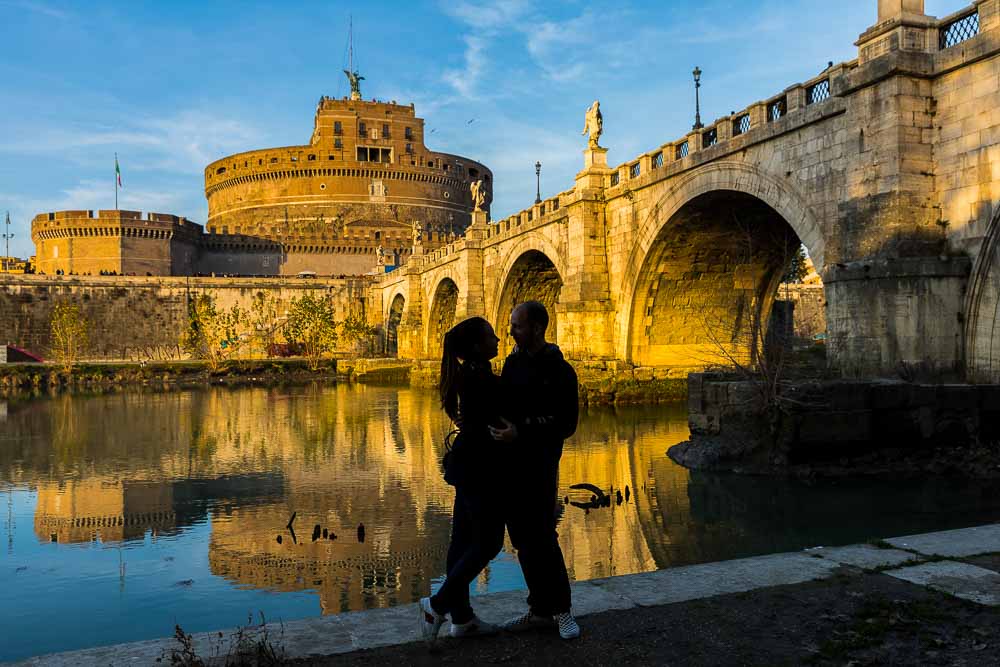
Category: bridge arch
[706,263]
[531,276]
[982,308]
[441,314]
[512,286]
[397,304]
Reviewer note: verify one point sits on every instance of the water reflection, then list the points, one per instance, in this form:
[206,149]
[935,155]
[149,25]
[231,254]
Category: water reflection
[191,489]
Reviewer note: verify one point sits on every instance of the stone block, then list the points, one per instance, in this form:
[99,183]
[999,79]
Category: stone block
[844,396]
[989,397]
[820,428]
[888,396]
[956,396]
[897,428]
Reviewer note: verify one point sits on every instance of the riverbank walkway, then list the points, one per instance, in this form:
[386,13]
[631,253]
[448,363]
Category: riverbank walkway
[919,599]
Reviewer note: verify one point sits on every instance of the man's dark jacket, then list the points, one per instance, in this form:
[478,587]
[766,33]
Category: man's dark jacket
[540,392]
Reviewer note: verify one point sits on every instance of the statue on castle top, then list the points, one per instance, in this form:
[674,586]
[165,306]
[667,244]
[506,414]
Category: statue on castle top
[380,255]
[594,124]
[355,78]
[478,191]
[418,233]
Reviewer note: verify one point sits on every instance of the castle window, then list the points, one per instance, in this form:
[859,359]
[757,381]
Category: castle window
[378,235]
[473,173]
[409,148]
[260,162]
[295,158]
[408,133]
[330,157]
[312,157]
[337,143]
[385,130]
[362,129]
[274,160]
[220,170]
[338,127]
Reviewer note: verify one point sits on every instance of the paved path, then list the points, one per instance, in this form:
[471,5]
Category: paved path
[937,561]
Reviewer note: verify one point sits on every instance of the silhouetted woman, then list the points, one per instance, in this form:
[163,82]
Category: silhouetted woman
[469,395]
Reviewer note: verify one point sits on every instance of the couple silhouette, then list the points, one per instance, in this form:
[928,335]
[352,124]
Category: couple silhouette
[512,425]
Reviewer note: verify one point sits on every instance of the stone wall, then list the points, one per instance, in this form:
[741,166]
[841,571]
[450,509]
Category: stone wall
[733,426]
[810,308]
[902,315]
[144,318]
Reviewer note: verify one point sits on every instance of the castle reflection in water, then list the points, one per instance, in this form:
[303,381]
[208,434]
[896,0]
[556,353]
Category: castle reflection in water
[125,467]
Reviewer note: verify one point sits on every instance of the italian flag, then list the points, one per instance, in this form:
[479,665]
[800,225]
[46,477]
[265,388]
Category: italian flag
[118,172]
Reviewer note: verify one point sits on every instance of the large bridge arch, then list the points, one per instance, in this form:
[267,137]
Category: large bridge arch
[393,318]
[441,314]
[532,276]
[725,229]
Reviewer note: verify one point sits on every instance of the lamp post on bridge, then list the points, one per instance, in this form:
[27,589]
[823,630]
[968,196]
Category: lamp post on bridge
[697,99]
[538,182]
[7,236]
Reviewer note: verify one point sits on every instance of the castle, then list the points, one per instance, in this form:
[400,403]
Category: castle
[362,195]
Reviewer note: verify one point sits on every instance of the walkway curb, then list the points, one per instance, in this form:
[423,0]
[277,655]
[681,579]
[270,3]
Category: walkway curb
[919,559]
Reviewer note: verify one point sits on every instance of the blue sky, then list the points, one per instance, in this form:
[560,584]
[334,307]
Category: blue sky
[174,85]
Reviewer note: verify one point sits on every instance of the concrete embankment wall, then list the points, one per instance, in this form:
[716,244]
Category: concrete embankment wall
[730,418]
[144,318]
[601,382]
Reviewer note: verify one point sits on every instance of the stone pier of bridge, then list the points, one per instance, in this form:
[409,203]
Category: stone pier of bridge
[886,168]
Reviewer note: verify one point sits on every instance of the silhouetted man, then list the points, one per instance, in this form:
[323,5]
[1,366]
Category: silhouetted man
[540,394]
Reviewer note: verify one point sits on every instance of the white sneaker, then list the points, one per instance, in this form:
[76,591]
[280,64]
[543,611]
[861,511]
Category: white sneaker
[477,627]
[528,621]
[430,621]
[568,629]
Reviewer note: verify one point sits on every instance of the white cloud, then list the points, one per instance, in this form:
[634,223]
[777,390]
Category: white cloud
[40,8]
[488,16]
[466,80]
[182,143]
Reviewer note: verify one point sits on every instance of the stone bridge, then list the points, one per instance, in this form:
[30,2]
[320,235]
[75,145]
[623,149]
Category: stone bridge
[886,167]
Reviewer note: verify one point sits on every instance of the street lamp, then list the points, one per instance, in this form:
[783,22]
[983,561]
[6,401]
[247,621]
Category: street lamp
[697,100]
[538,182]
[7,236]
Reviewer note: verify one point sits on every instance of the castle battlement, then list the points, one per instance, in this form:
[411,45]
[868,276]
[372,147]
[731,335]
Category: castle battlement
[108,217]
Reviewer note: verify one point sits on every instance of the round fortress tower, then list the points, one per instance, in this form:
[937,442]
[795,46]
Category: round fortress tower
[364,180]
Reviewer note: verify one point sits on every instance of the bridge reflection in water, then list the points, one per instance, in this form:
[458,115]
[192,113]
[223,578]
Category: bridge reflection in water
[211,478]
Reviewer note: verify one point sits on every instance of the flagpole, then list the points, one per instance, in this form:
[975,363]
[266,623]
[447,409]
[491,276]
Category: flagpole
[116,180]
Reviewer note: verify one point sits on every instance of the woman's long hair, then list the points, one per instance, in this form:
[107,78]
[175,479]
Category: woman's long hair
[458,344]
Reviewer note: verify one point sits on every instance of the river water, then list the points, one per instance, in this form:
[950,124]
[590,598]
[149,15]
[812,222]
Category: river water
[127,513]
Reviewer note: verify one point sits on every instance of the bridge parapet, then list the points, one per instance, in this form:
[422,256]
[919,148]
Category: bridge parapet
[548,211]
[790,109]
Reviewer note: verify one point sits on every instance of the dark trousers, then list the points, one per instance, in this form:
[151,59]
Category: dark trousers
[476,538]
[531,523]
